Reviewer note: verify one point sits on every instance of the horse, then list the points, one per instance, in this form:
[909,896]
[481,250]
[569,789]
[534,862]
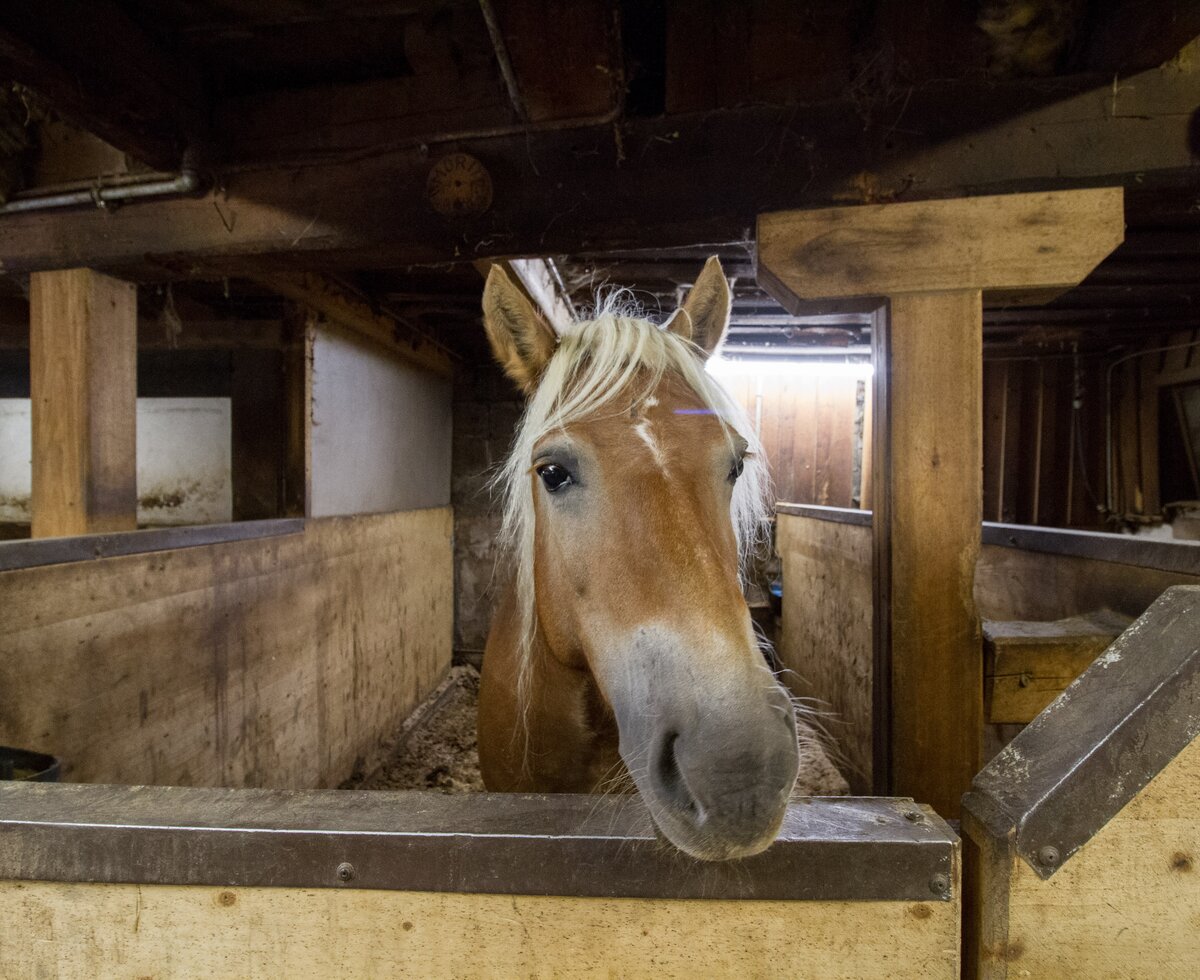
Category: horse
[633,494]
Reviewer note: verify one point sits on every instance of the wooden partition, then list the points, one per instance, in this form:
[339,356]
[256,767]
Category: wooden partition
[1024,573]
[1085,830]
[177,882]
[273,661]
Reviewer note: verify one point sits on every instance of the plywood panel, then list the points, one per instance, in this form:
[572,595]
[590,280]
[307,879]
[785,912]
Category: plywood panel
[82,930]
[1126,905]
[273,662]
[826,631]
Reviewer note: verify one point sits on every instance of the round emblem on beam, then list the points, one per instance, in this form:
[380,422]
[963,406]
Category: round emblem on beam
[459,184]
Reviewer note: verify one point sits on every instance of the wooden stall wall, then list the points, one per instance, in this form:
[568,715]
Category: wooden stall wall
[1043,442]
[811,425]
[826,632]
[825,641]
[1148,444]
[273,662]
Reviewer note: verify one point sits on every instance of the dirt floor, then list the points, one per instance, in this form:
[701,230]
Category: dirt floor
[436,748]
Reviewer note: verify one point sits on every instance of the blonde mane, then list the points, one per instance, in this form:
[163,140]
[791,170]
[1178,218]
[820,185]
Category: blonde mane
[596,362]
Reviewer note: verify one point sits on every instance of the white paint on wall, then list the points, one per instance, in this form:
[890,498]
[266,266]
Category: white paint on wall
[183,461]
[381,431]
[16,460]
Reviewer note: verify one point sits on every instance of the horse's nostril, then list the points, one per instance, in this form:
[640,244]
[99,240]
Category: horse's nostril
[670,777]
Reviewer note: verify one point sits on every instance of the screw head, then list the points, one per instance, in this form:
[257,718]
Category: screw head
[939,884]
[1048,856]
[345,871]
[912,816]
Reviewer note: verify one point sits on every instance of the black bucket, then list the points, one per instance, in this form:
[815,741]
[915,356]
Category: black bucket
[32,767]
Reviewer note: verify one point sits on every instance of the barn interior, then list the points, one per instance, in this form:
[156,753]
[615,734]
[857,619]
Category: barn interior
[243,247]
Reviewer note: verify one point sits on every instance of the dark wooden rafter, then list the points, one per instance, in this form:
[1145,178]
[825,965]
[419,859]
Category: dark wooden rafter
[693,179]
[100,70]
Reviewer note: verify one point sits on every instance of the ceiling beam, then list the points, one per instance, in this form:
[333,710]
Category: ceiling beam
[343,308]
[660,182]
[97,68]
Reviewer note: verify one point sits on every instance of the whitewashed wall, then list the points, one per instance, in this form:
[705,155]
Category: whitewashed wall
[381,431]
[183,461]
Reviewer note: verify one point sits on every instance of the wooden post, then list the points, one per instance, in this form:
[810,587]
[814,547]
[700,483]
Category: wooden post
[83,382]
[932,260]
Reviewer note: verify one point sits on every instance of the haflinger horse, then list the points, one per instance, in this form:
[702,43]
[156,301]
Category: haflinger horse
[634,488]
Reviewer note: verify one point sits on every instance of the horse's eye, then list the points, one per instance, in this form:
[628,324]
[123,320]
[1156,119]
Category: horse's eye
[736,470]
[554,476]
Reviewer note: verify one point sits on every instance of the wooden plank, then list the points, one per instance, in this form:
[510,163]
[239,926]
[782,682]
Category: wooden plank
[94,65]
[344,309]
[866,471]
[1009,244]
[83,381]
[1125,905]
[825,637]
[274,662]
[1028,663]
[81,930]
[932,423]
[298,387]
[844,399]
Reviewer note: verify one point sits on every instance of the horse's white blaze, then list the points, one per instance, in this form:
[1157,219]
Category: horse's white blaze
[645,433]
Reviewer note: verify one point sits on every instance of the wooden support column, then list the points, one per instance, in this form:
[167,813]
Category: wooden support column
[932,261]
[83,382]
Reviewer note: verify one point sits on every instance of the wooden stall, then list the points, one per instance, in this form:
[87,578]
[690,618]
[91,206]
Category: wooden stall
[1083,833]
[263,884]
[275,657]
[1025,576]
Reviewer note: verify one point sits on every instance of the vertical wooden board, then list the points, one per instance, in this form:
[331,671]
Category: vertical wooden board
[83,382]
[995,400]
[844,405]
[1126,905]
[771,433]
[258,434]
[791,431]
[804,444]
[298,383]
[934,430]
[85,930]
[865,448]
[272,662]
[1148,434]
[825,637]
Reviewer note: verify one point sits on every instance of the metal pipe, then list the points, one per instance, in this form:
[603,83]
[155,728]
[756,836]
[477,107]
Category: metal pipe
[106,195]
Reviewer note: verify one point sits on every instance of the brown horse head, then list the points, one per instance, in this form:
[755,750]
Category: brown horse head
[633,484]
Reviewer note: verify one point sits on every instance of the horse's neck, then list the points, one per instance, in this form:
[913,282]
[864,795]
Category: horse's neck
[572,743]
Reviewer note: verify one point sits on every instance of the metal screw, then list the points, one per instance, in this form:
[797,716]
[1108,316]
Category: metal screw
[912,816]
[345,871]
[1048,856]
[939,884]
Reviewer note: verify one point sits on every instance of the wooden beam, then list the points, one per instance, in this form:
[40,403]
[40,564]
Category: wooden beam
[932,260]
[99,69]
[1001,244]
[660,182]
[343,308]
[83,382]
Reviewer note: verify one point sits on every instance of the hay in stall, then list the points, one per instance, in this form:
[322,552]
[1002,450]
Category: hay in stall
[436,748]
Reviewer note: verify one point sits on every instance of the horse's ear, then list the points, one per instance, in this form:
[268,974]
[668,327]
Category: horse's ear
[522,341]
[704,316]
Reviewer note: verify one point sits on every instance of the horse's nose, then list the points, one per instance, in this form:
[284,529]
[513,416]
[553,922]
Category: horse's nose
[726,780]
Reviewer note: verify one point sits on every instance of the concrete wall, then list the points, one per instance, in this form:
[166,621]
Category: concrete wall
[183,461]
[381,431]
